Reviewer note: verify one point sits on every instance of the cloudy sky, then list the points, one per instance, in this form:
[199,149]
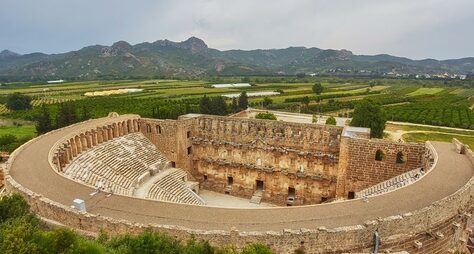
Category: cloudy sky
[417,29]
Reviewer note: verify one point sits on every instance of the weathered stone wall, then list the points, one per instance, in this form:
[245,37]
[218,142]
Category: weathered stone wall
[439,228]
[172,138]
[307,137]
[361,169]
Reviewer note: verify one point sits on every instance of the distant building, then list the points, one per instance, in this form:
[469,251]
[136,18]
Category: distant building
[55,81]
[231,85]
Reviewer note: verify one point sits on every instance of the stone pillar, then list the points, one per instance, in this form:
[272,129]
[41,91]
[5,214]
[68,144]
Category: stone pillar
[69,152]
[83,142]
[135,126]
[73,147]
[343,165]
[110,133]
[115,130]
[88,137]
[78,145]
[58,162]
[94,138]
[66,154]
[125,128]
[100,137]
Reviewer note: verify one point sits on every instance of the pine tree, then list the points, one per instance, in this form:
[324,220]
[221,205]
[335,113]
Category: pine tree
[67,114]
[235,106]
[43,122]
[205,105]
[243,100]
[219,107]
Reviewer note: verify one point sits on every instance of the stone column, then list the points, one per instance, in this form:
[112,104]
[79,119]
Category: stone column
[58,162]
[110,133]
[94,138]
[88,137]
[73,147]
[69,152]
[115,130]
[83,142]
[78,145]
[66,154]
[100,137]
[125,127]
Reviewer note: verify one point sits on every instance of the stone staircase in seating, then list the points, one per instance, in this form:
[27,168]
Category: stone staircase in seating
[392,183]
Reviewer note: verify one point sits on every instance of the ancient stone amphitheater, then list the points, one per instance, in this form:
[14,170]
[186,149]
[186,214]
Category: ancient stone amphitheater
[333,189]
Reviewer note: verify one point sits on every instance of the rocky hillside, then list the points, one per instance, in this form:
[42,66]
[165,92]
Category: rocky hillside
[193,58]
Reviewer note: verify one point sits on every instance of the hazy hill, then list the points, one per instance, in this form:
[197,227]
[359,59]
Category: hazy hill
[193,57]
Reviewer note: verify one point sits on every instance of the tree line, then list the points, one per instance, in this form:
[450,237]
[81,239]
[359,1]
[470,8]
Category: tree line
[22,232]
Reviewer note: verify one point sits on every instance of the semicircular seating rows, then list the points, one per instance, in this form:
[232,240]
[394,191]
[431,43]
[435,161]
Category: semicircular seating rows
[118,165]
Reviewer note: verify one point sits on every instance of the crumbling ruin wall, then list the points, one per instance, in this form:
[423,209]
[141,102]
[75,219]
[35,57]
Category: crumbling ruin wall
[362,169]
[298,160]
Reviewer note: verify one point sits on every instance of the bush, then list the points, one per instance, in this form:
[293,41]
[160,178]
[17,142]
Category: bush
[267,116]
[331,121]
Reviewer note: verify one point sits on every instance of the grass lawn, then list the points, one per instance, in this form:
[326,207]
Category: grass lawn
[425,91]
[21,132]
[422,137]
[394,127]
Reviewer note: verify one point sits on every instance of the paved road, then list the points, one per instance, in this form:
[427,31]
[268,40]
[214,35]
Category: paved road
[32,170]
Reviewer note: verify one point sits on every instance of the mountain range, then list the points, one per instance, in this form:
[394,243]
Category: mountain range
[193,58]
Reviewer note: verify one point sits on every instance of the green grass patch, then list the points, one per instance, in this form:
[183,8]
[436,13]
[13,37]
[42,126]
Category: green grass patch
[422,137]
[19,131]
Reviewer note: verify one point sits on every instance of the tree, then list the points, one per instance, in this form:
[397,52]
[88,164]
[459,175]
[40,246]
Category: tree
[218,106]
[243,101]
[318,88]
[85,113]
[18,101]
[205,105]
[266,102]
[331,120]
[235,106]
[306,101]
[13,206]
[43,121]
[67,114]
[369,113]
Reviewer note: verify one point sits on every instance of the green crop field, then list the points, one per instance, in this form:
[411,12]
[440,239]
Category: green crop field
[425,91]
[433,102]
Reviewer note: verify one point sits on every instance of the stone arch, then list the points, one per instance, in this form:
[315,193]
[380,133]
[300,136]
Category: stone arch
[401,157]
[148,128]
[158,129]
[379,155]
